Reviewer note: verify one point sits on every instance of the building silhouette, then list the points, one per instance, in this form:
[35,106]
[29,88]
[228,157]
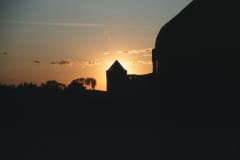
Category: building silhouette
[196,50]
[118,81]
[195,65]
[116,77]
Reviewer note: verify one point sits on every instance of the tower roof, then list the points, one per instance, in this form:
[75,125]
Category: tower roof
[116,66]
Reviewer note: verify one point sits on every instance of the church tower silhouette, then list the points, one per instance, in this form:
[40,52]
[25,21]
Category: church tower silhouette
[116,77]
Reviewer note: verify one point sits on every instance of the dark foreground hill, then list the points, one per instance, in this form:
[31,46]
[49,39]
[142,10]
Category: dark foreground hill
[92,124]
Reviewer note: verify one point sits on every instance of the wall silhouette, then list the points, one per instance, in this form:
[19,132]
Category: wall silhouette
[198,63]
[195,65]
[201,42]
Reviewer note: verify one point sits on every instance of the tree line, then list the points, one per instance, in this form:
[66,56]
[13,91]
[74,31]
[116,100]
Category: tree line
[79,84]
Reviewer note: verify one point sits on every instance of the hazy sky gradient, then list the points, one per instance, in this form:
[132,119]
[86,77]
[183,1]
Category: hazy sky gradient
[66,39]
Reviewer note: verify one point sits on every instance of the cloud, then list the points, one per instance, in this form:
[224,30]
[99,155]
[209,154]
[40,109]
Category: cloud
[119,52]
[93,63]
[145,62]
[58,24]
[136,51]
[76,24]
[149,50]
[3,53]
[62,62]
[37,62]
[147,55]
[90,63]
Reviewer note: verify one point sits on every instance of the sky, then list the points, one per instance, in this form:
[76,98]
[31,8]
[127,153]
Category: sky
[63,40]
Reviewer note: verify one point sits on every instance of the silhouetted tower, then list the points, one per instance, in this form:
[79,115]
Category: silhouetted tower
[116,78]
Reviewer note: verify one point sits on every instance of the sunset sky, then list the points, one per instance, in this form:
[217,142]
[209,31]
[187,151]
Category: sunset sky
[63,40]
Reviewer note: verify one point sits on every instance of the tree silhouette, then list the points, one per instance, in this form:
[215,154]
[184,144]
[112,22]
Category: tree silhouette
[82,81]
[6,89]
[94,83]
[53,84]
[86,83]
[77,84]
[25,86]
[90,83]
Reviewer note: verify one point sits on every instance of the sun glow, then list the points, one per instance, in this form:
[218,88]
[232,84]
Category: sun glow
[127,65]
